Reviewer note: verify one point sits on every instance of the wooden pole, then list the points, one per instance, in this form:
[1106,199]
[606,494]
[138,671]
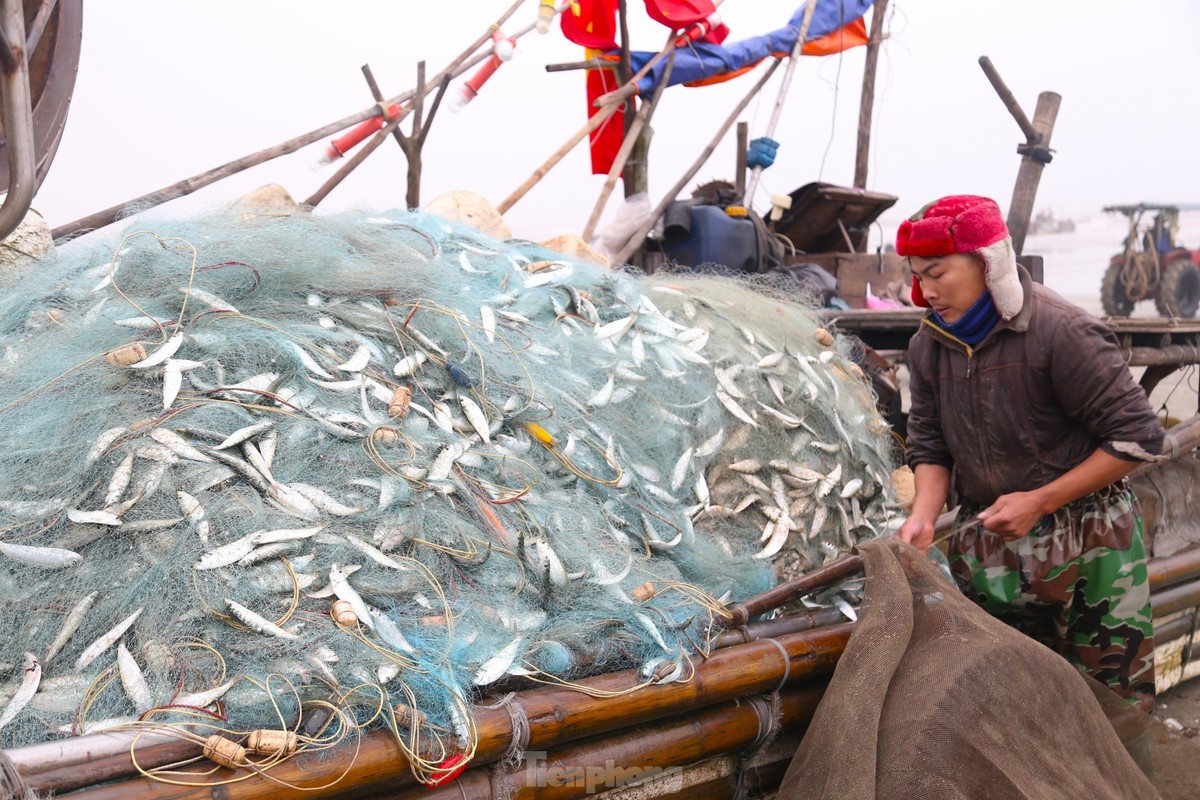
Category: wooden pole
[185,187]
[743,612]
[596,765]
[632,136]
[1173,569]
[556,716]
[1035,152]
[866,106]
[630,89]
[595,121]
[786,84]
[359,156]
[636,240]
[1034,158]
[739,171]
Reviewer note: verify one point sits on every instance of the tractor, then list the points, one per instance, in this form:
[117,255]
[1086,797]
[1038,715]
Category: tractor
[1152,266]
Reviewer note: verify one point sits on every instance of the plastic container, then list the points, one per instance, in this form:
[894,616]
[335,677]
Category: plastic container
[714,238]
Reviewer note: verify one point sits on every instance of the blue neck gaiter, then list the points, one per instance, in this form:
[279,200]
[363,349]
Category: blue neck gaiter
[975,324]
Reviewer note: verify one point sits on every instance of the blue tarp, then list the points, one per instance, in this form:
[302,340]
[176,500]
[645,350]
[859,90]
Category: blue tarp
[699,61]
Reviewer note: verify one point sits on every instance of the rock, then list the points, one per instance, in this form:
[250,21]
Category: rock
[571,245]
[269,200]
[460,205]
[25,246]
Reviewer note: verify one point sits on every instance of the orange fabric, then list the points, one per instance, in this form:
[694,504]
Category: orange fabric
[724,76]
[852,35]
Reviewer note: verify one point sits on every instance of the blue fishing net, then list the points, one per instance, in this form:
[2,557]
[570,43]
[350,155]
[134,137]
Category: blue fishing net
[363,462]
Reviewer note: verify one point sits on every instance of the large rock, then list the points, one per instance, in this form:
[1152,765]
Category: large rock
[25,246]
[460,205]
[268,200]
[571,245]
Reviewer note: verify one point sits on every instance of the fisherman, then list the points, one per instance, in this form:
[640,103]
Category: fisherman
[1024,402]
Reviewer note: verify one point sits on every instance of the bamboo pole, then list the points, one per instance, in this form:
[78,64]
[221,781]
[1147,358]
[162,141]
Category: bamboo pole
[1165,631]
[606,110]
[556,716]
[1174,569]
[1179,597]
[786,84]
[594,121]
[623,93]
[743,612]
[645,113]
[360,155]
[662,749]
[185,187]
[739,169]
[636,240]
[866,108]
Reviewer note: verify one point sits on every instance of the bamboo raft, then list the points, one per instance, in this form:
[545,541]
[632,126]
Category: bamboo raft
[738,718]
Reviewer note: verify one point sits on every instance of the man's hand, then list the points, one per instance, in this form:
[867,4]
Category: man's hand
[1013,515]
[917,532]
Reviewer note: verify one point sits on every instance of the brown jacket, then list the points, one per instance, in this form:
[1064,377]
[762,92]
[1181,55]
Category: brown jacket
[1031,401]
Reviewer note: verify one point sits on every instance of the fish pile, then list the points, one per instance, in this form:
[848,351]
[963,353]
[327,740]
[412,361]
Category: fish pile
[375,461]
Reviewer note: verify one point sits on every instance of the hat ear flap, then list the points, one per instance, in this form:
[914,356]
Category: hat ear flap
[918,297]
[1003,281]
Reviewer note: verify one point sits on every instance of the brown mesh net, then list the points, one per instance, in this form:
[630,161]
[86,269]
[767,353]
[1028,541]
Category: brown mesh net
[934,699]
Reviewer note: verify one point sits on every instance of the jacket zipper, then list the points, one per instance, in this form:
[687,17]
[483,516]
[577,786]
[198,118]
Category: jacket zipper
[983,450]
[970,350]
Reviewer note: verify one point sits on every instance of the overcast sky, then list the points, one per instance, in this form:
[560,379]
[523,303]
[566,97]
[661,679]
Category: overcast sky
[170,89]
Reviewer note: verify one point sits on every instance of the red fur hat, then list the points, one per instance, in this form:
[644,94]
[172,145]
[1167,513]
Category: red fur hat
[965,224]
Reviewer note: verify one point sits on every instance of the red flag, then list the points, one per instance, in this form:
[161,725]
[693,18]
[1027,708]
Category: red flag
[683,14]
[591,23]
[606,140]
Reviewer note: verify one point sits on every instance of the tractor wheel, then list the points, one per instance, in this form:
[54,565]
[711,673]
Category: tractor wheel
[1179,290]
[1112,292]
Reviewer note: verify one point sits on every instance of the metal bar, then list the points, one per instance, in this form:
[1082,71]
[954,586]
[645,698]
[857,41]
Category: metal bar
[18,121]
[38,27]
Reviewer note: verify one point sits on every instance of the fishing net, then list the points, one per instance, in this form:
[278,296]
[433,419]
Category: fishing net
[933,698]
[258,466]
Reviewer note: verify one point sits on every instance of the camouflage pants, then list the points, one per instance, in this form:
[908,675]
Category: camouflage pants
[1078,583]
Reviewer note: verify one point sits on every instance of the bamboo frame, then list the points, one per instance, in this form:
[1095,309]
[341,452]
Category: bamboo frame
[185,187]
[557,716]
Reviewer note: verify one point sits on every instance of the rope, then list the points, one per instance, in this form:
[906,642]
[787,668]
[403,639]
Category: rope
[769,711]
[12,785]
[787,664]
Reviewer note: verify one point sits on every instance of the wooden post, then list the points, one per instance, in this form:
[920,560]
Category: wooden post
[743,141]
[1035,151]
[1034,156]
[412,144]
[867,104]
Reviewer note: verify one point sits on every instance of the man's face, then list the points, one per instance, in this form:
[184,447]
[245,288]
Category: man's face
[951,284]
